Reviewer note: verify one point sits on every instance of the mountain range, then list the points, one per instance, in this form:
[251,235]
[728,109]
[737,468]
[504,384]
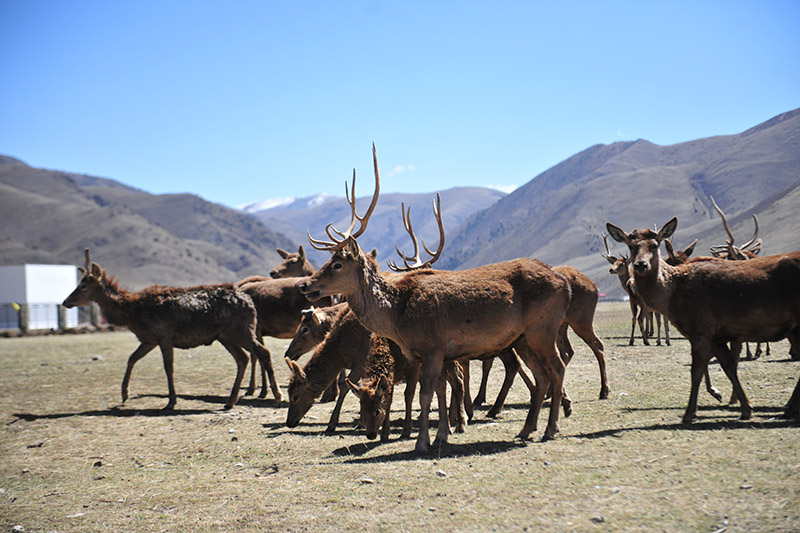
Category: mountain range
[558,216]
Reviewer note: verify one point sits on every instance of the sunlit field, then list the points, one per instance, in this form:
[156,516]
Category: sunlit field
[75,459]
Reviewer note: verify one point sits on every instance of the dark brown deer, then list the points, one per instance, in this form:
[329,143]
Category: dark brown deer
[386,365]
[174,317]
[437,315]
[713,302]
[620,266]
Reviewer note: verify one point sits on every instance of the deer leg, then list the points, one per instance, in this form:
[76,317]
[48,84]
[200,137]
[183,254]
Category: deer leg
[643,325]
[430,374]
[486,366]
[511,364]
[710,388]
[543,348]
[658,326]
[387,402]
[167,356]
[332,392]
[354,376]
[444,421]
[758,351]
[242,359]
[729,365]
[793,406]
[701,354]
[251,388]
[634,314]
[587,335]
[412,378]
[735,352]
[468,407]
[537,398]
[458,415]
[260,351]
[140,352]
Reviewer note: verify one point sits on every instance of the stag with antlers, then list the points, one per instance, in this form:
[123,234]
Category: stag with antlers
[175,317]
[713,302]
[446,315]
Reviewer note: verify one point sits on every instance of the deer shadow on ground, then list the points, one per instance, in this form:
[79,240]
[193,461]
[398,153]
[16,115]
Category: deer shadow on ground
[771,419]
[121,411]
[437,451]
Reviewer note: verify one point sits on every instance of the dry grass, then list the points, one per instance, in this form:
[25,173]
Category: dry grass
[73,459]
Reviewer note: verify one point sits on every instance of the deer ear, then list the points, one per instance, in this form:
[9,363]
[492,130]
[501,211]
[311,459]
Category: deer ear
[617,233]
[283,253]
[668,229]
[610,259]
[296,370]
[374,253]
[352,247]
[316,316]
[383,386]
[353,387]
[668,246]
[301,251]
[689,249]
[96,270]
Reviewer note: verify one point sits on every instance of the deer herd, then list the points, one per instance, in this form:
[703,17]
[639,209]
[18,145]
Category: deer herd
[421,325]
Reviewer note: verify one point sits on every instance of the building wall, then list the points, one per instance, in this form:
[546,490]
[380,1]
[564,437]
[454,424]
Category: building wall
[42,288]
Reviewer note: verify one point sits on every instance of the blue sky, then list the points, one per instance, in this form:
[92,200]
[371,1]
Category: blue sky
[247,100]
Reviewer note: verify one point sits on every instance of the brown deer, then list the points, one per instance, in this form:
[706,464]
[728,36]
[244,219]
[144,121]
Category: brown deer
[294,265]
[315,323]
[675,258]
[748,250]
[345,347]
[580,317]
[174,317]
[713,302]
[620,266]
[437,315]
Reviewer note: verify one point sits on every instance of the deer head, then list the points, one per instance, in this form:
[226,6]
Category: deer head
[294,265]
[619,265]
[643,244]
[314,325]
[374,408]
[89,287]
[677,258]
[414,262]
[301,397]
[728,250]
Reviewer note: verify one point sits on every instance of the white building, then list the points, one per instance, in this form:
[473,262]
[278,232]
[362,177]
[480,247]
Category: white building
[42,288]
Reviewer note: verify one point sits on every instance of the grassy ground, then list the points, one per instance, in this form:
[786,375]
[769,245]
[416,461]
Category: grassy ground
[73,459]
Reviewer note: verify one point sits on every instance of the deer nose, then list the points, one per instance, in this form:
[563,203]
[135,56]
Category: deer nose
[641,266]
[372,435]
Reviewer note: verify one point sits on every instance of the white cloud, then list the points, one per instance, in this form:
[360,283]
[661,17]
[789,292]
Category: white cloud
[504,188]
[400,169]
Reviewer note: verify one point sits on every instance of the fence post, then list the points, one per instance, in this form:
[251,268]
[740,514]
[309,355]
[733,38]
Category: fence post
[62,317]
[95,314]
[24,318]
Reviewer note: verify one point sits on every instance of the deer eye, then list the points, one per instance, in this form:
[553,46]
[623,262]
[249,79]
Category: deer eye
[304,330]
[377,412]
[337,266]
[295,398]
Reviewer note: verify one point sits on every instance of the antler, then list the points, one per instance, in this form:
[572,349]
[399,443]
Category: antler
[607,255]
[413,263]
[755,238]
[88,262]
[735,252]
[335,243]
[724,223]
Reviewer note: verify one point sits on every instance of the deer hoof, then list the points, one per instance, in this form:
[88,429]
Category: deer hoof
[715,393]
[228,406]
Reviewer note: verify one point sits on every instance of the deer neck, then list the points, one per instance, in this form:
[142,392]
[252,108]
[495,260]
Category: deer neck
[114,303]
[374,301]
[655,286]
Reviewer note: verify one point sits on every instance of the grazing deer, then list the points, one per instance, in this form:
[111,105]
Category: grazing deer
[713,302]
[174,317]
[620,266]
[437,315]
[345,346]
[580,317]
